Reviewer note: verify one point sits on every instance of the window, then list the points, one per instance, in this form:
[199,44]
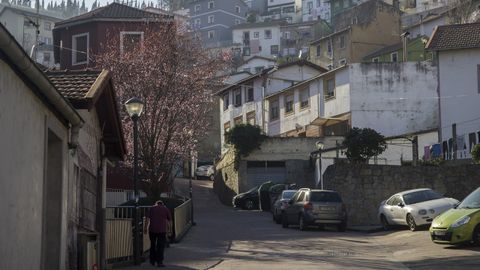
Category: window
[246,51]
[268,34]
[478,82]
[375,60]
[259,48]
[301,197]
[197,8]
[198,22]
[251,118]
[246,69]
[249,94]
[274,109]
[238,120]
[130,40]
[319,50]
[226,101]
[237,98]
[237,21]
[309,7]
[46,57]
[237,9]
[290,9]
[211,19]
[342,62]
[211,5]
[258,69]
[354,20]
[394,57]
[318,3]
[342,41]
[80,49]
[274,49]
[304,97]
[256,34]
[288,103]
[211,34]
[47,40]
[329,88]
[47,26]
[286,35]
[329,48]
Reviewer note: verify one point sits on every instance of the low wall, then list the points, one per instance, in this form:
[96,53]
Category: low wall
[363,187]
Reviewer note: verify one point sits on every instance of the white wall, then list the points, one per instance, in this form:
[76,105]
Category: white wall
[459,91]
[340,104]
[322,10]
[426,28]
[263,42]
[256,62]
[25,120]
[394,98]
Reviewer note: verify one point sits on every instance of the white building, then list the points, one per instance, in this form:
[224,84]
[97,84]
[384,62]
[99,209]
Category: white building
[244,101]
[258,39]
[457,50]
[313,10]
[291,10]
[256,64]
[20,22]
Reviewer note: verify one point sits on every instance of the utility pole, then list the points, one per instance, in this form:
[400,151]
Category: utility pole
[454,141]
[415,150]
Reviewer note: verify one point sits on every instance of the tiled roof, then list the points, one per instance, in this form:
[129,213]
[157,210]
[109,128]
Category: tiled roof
[456,36]
[113,11]
[73,84]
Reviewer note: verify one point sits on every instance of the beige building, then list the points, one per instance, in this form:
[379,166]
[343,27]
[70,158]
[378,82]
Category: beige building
[358,31]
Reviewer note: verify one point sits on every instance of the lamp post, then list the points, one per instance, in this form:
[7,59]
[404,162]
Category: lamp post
[134,108]
[320,146]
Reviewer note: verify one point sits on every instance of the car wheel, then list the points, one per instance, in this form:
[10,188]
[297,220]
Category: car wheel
[411,223]
[212,177]
[278,218]
[476,236]
[384,222]
[301,223]
[249,204]
[342,227]
[284,221]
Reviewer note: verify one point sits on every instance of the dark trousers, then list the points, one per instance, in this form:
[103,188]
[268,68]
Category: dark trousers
[157,247]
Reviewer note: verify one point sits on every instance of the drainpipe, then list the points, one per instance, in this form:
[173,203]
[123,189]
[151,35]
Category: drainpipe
[404,42]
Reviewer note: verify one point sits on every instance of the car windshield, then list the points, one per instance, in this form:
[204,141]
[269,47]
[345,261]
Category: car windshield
[471,201]
[421,196]
[288,194]
[325,197]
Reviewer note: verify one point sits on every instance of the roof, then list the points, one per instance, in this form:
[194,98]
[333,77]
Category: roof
[259,57]
[74,84]
[114,11]
[259,24]
[55,16]
[305,82]
[330,35]
[454,37]
[391,48]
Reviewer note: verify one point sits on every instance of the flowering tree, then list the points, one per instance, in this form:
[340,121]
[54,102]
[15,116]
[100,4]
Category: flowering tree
[174,76]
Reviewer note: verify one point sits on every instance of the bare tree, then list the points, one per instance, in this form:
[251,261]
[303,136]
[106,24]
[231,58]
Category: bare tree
[464,11]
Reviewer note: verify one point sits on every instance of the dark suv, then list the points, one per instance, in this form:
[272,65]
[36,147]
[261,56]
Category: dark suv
[315,207]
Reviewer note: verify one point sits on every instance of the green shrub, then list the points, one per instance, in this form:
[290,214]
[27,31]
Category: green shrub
[245,138]
[476,154]
[362,144]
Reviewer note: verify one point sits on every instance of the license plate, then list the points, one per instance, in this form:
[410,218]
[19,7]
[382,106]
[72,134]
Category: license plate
[439,233]
[327,208]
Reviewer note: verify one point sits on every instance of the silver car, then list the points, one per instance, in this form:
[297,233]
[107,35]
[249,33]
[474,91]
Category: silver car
[413,208]
[315,207]
[281,203]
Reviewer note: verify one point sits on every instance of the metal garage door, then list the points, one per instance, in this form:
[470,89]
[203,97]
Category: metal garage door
[259,172]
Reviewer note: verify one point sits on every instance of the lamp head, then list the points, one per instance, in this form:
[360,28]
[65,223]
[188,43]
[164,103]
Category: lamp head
[134,107]
[319,145]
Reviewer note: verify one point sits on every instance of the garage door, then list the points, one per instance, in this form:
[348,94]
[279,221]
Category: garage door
[259,172]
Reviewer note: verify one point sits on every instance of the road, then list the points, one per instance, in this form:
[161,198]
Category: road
[225,238]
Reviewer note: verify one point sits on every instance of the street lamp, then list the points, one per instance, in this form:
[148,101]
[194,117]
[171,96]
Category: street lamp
[320,147]
[134,108]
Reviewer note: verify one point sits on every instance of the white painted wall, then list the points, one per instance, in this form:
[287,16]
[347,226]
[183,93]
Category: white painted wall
[25,120]
[394,98]
[459,91]
[254,63]
[263,42]
[426,28]
[341,103]
[320,8]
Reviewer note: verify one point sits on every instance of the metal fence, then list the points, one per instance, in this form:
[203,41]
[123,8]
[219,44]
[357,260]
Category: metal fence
[120,227]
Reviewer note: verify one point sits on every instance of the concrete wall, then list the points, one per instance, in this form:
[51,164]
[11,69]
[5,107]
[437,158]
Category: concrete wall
[322,10]
[254,63]
[403,93]
[364,187]
[25,120]
[459,91]
[263,42]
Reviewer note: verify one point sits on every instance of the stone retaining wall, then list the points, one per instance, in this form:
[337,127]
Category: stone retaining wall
[363,187]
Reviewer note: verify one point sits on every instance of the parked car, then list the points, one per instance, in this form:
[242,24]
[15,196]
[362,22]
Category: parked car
[460,224]
[205,171]
[413,208]
[281,203]
[248,200]
[276,191]
[315,207]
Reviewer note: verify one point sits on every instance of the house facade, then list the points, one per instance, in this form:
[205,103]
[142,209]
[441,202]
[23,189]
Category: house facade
[256,64]
[315,10]
[39,139]
[357,32]
[258,39]
[415,52]
[457,52]
[290,10]
[213,20]
[296,37]
[244,101]
[78,39]
[21,22]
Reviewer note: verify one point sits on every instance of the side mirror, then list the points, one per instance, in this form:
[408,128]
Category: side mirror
[401,205]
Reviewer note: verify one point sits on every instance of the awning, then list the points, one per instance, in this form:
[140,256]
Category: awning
[319,121]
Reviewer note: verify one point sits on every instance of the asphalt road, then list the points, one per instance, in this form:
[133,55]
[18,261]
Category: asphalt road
[225,238]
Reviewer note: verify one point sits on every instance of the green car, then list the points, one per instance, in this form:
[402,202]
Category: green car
[460,224]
